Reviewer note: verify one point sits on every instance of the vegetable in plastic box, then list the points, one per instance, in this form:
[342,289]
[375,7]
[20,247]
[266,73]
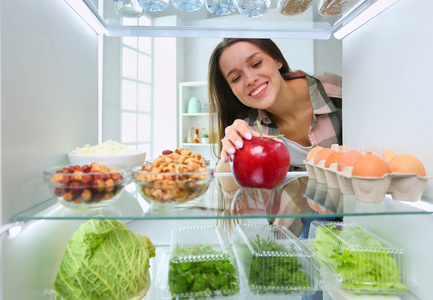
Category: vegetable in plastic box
[363,262]
[105,260]
[273,269]
[200,271]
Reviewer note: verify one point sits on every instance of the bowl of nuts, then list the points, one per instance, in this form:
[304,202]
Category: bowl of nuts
[87,186]
[174,179]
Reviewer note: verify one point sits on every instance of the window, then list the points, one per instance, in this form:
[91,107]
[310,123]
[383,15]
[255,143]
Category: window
[136,89]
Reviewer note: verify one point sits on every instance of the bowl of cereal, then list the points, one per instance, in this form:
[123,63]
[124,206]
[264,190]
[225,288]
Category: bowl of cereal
[109,153]
[176,179]
[87,186]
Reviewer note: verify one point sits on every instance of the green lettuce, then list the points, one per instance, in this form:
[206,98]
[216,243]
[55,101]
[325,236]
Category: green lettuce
[105,260]
[362,262]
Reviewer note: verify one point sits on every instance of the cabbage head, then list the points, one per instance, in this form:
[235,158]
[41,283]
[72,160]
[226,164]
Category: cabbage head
[105,260]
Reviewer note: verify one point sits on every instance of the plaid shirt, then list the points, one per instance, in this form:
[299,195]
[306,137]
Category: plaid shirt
[325,95]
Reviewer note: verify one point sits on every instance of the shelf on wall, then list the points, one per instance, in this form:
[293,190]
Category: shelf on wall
[239,205]
[197,144]
[195,114]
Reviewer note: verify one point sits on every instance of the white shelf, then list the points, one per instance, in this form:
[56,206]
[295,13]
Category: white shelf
[195,114]
[197,120]
[197,144]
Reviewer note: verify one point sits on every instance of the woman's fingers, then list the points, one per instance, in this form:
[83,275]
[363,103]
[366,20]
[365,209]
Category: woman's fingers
[234,135]
[233,139]
[238,131]
[243,129]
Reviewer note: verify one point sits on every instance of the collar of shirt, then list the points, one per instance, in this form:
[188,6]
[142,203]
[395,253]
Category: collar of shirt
[320,101]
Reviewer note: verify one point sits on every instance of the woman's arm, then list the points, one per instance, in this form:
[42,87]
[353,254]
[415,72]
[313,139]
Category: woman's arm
[228,184]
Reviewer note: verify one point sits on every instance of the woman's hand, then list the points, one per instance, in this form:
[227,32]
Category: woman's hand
[233,139]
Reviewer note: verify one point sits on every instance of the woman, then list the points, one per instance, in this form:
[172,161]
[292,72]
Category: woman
[250,80]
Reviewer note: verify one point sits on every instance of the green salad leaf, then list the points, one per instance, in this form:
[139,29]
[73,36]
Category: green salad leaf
[362,261]
[201,271]
[272,268]
[105,260]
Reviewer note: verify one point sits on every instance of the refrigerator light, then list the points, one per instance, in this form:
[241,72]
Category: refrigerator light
[87,15]
[368,14]
[14,231]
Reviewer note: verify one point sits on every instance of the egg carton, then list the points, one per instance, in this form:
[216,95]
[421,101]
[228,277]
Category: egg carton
[405,187]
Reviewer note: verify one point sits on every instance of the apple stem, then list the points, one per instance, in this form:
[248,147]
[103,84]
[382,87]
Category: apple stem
[259,126]
[273,137]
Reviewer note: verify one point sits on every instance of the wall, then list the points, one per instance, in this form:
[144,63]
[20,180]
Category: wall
[386,77]
[328,56]
[49,99]
[111,89]
[299,54]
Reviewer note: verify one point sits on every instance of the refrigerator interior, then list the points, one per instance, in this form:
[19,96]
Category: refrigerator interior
[49,105]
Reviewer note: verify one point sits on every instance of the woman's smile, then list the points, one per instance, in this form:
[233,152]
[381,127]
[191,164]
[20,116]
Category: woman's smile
[259,90]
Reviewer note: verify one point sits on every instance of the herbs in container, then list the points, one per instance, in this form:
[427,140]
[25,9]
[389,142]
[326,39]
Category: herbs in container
[274,261]
[201,264]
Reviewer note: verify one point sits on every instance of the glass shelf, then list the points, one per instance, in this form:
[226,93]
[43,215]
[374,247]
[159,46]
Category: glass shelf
[306,199]
[201,23]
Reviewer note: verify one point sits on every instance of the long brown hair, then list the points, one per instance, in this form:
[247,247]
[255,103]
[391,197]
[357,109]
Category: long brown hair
[223,104]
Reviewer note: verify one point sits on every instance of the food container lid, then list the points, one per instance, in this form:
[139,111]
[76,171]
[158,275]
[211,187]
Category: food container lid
[199,243]
[201,264]
[357,260]
[274,261]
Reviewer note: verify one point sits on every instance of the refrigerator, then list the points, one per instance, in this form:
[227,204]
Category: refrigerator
[58,92]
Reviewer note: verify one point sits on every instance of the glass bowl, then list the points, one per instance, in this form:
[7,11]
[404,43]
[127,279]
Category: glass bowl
[172,189]
[87,186]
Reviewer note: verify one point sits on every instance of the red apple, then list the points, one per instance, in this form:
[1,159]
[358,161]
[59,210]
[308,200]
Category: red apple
[261,163]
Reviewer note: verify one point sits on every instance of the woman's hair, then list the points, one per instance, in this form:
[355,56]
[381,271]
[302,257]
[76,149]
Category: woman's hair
[224,105]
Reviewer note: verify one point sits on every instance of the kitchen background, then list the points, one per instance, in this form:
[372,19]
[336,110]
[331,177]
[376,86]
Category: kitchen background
[50,65]
[50,102]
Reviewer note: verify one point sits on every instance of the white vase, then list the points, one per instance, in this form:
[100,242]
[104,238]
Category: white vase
[205,140]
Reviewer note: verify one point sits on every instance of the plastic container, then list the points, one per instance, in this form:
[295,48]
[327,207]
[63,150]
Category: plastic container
[154,5]
[293,7]
[128,9]
[354,259]
[274,261]
[331,8]
[201,264]
[220,7]
[253,8]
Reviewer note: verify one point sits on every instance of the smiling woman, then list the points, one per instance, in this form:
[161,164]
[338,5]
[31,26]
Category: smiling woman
[250,80]
[252,87]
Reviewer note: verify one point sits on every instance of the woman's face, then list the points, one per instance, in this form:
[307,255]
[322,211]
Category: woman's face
[252,74]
